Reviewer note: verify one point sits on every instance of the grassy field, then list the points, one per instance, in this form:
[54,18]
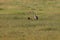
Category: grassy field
[14,24]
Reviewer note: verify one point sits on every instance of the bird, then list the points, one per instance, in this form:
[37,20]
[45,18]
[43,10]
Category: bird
[35,17]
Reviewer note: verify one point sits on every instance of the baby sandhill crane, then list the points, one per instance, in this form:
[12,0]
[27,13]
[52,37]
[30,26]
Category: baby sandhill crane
[35,17]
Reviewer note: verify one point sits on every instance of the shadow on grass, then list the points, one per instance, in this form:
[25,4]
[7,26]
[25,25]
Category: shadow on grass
[1,9]
[16,17]
[48,29]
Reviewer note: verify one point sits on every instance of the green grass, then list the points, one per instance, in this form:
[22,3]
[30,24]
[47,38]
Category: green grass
[14,24]
[18,27]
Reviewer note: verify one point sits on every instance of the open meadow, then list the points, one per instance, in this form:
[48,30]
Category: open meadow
[14,24]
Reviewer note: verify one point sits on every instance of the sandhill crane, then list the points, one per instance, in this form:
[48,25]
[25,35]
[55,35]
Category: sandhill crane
[35,17]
